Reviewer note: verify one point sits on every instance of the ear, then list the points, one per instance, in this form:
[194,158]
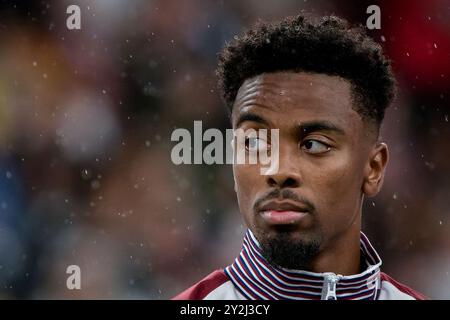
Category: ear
[375,169]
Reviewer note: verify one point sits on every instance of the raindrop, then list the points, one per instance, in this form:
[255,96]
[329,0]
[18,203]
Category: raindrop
[8,175]
[95,184]
[394,196]
[383,39]
[86,174]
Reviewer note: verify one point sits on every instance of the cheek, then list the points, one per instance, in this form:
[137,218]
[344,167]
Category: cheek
[247,179]
[335,185]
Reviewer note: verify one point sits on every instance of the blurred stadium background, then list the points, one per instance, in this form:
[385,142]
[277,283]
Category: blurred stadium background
[85,124]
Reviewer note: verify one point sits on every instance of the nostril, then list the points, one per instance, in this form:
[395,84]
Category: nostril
[290,183]
[271,182]
[282,182]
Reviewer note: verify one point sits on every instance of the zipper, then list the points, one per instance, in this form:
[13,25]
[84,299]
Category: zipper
[329,286]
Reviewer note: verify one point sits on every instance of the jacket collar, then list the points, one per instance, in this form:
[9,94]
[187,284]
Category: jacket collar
[255,278]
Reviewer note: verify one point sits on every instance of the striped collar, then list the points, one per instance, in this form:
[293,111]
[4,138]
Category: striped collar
[255,278]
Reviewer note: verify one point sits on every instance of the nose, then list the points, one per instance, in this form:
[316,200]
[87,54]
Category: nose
[288,174]
[284,180]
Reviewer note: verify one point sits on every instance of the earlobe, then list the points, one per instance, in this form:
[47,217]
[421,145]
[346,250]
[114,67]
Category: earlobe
[375,169]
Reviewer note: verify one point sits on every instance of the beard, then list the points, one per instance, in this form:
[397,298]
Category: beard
[284,250]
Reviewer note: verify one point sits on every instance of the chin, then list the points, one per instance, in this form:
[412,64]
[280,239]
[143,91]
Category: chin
[295,232]
[290,233]
[289,248]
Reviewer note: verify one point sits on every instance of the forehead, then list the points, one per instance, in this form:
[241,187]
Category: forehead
[297,96]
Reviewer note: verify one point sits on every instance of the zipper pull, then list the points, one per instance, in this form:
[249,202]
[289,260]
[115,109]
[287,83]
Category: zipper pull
[331,280]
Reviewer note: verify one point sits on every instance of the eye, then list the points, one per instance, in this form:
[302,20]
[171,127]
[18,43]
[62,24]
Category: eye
[255,144]
[315,146]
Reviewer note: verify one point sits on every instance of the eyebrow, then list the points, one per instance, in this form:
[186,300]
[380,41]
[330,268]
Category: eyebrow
[313,126]
[305,127]
[250,117]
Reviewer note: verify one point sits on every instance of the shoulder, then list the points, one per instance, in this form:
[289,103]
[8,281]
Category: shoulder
[394,290]
[204,287]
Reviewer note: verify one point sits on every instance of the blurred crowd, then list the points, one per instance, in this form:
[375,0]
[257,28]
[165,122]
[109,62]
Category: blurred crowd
[85,123]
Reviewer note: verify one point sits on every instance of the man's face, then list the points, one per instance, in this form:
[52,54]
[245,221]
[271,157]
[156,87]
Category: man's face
[324,151]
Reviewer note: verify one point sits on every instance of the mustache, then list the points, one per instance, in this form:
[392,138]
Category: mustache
[285,194]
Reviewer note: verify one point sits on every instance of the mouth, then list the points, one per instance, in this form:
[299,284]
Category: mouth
[283,212]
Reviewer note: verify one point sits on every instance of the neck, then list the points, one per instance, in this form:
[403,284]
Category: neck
[340,254]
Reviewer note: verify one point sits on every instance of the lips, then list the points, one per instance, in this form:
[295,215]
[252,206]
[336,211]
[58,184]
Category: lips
[283,212]
[284,206]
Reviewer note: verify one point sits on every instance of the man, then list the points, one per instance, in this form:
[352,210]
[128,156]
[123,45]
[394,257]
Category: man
[325,85]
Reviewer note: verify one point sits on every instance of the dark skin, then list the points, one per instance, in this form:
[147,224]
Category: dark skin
[328,156]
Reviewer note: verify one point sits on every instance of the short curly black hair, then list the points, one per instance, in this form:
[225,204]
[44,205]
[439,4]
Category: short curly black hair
[327,45]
